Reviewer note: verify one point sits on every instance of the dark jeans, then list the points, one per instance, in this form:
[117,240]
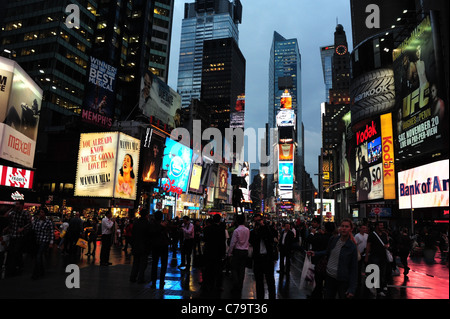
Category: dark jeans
[159,253]
[383,265]
[335,287]
[404,261]
[106,248]
[238,261]
[263,267]
[140,262]
[285,256]
[39,269]
[186,252]
[14,257]
[93,243]
[212,275]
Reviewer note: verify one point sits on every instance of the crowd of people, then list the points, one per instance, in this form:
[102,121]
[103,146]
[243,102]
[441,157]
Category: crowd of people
[339,252]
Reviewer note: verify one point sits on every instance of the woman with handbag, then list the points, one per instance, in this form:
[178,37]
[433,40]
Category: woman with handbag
[342,265]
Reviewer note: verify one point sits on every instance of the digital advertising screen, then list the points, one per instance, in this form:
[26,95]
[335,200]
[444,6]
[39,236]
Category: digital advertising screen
[374,151]
[424,186]
[286,152]
[286,100]
[194,185]
[286,118]
[177,164]
[152,155]
[286,173]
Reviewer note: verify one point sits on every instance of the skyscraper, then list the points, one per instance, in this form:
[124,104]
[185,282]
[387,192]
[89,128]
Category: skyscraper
[223,79]
[203,20]
[285,85]
[326,54]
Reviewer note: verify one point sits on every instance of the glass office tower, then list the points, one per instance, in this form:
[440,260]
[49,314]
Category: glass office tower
[203,20]
[285,65]
[326,54]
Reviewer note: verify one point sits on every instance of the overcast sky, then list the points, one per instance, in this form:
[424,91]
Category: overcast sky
[312,23]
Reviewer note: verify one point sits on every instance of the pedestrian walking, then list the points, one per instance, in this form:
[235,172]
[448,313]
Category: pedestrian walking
[140,247]
[404,246]
[285,244]
[107,238]
[238,252]
[187,243]
[63,242]
[342,265]
[92,237]
[361,243]
[160,248]
[44,234]
[262,239]
[74,232]
[19,224]
[215,249]
[128,234]
[377,243]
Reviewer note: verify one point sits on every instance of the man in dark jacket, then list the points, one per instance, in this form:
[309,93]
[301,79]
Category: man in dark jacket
[215,249]
[286,242]
[262,239]
[141,247]
[160,248]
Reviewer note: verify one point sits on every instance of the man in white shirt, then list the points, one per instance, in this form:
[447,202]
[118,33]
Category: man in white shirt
[107,236]
[361,243]
[239,251]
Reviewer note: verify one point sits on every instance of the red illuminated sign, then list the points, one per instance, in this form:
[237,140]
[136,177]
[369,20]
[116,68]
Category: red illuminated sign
[366,134]
[168,187]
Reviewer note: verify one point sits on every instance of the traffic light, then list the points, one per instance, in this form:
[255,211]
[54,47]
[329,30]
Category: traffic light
[315,194]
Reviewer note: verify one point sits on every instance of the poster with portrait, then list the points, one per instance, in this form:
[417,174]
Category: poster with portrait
[159,100]
[100,96]
[421,111]
[127,168]
[152,155]
[107,165]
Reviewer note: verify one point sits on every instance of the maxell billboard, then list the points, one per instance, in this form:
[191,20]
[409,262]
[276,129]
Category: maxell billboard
[20,105]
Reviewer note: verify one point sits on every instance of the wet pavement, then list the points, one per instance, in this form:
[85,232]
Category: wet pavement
[425,281]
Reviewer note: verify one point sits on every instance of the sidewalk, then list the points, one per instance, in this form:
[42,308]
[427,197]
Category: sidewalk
[425,281]
[112,282]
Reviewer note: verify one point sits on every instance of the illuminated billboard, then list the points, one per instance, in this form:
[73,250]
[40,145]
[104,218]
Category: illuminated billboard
[286,173]
[237,114]
[159,100]
[424,186]
[20,106]
[222,182]
[107,166]
[16,177]
[286,100]
[286,152]
[421,114]
[286,118]
[100,96]
[152,155]
[177,164]
[194,185]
